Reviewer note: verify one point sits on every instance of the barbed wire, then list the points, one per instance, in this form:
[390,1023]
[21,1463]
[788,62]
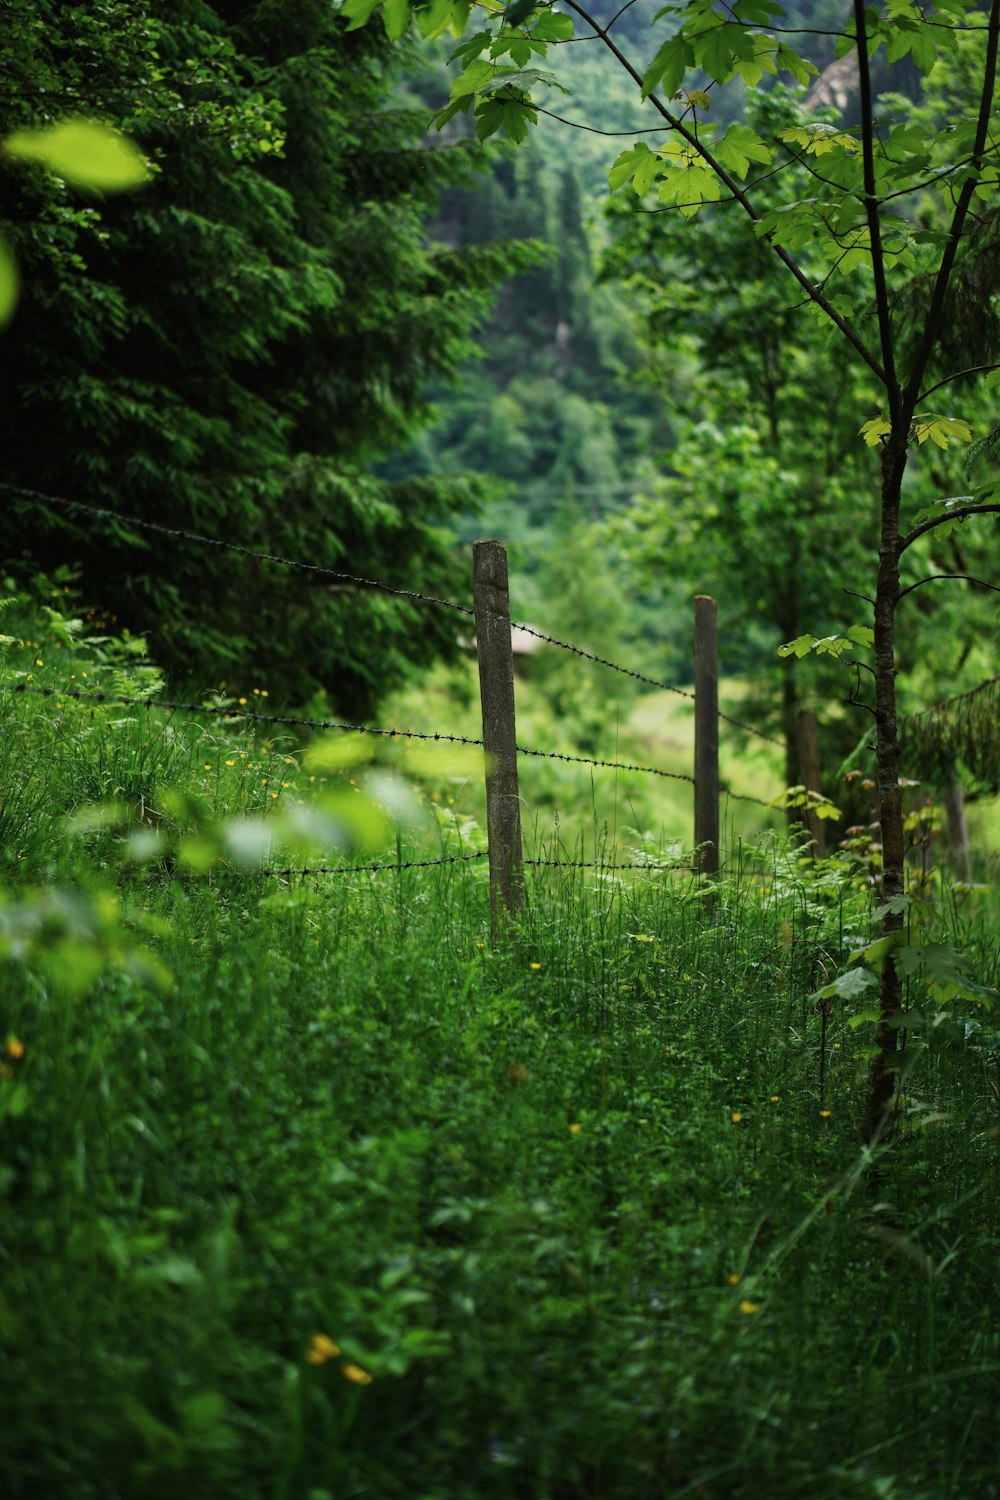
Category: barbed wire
[934,708]
[750,729]
[744,797]
[168,705]
[406,864]
[318,570]
[211,541]
[603,661]
[266,872]
[610,866]
[288,720]
[613,765]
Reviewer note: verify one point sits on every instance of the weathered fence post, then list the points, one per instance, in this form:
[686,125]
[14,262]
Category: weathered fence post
[706,735]
[809,776]
[491,601]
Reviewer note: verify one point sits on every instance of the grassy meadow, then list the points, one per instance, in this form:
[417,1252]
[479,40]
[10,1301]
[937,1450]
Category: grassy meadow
[312,1190]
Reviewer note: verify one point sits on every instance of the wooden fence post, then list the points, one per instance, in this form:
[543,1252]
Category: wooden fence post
[706,734]
[491,601]
[807,734]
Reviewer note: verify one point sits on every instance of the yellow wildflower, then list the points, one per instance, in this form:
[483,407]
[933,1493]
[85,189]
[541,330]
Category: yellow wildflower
[321,1348]
[575,1128]
[736,1117]
[734,1278]
[825,1114]
[15,1048]
[356,1374]
[534,966]
[748,1308]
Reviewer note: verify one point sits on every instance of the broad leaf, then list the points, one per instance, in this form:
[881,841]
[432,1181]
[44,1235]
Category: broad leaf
[739,147]
[83,153]
[851,985]
[668,67]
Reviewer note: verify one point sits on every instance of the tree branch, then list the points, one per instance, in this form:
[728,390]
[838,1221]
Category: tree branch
[958,514]
[936,310]
[958,375]
[933,577]
[813,292]
[872,213]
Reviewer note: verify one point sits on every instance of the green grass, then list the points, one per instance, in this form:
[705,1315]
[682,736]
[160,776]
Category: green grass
[582,1211]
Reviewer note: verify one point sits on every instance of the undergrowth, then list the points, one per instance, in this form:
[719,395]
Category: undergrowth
[312,1189]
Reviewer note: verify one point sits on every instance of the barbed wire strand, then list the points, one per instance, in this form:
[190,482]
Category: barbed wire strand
[210,541]
[934,708]
[750,729]
[727,791]
[614,765]
[169,706]
[374,583]
[603,661]
[266,872]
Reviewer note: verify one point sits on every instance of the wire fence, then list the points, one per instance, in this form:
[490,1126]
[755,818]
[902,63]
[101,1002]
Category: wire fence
[609,867]
[103,513]
[238,713]
[226,712]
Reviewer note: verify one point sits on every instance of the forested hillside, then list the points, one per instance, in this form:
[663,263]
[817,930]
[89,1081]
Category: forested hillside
[643,396]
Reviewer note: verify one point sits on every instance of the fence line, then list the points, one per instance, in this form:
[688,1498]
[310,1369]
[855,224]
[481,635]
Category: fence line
[210,541]
[208,711]
[727,791]
[971,692]
[52,501]
[601,660]
[741,724]
[267,872]
[491,613]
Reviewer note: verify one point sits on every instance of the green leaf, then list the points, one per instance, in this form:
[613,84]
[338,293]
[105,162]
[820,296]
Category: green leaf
[434,19]
[895,906]
[646,173]
[739,147]
[850,985]
[84,153]
[668,67]
[875,430]
[790,62]
[820,139]
[689,187]
[358,12]
[800,647]
[475,75]
[9,283]
[626,165]
[863,1017]
[518,11]
[551,26]
[941,430]
[396,17]
[876,953]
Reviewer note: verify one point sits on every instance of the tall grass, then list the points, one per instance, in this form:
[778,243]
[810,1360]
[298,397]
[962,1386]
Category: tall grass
[312,1190]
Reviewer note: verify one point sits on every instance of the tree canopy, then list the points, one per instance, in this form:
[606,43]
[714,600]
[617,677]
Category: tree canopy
[232,347]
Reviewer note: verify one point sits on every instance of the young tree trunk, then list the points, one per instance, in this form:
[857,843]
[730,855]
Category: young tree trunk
[881,1076]
[958,829]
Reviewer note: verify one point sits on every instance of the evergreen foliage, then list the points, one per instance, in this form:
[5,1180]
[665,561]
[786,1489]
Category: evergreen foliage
[231,348]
